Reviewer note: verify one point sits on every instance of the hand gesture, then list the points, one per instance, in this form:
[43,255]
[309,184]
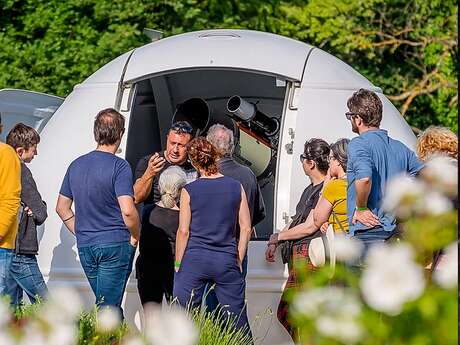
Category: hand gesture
[270,253]
[155,165]
[366,218]
[324,227]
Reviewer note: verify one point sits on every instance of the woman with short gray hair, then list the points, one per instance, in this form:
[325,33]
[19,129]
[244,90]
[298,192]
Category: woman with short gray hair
[155,263]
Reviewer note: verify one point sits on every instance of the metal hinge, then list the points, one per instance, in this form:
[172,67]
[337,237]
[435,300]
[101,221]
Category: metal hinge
[285,217]
[290,146]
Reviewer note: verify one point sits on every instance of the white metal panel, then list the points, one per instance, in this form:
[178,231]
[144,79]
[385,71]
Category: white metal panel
[236,49]
[111,72]
[326,71]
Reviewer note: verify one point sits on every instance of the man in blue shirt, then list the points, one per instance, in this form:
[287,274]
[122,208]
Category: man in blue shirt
[373,159]
[106,223]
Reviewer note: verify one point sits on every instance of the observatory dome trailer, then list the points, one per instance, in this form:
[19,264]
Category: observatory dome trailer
[272,91]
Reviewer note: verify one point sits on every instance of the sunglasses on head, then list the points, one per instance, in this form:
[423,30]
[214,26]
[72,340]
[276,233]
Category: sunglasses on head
[182,127]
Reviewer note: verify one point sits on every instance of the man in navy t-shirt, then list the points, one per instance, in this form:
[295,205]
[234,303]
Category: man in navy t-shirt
[106,223]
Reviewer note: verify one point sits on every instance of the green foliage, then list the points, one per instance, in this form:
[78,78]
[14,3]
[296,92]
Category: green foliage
[217,330]
[409,48]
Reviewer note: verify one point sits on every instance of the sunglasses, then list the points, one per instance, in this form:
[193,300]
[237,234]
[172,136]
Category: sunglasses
[303,157]
[350,114]
[182,127]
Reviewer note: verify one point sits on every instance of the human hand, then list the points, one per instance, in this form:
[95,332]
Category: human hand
[365,217]
[133,241]
[28,211]
[324,227]
[155,165]
[240,265]
[273,239]
[270,253]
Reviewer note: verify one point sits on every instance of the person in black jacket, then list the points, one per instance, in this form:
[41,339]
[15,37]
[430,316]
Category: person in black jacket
[25,273]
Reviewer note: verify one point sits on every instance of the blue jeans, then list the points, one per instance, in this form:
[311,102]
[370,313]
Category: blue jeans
[27,277]
[369,238]
[6,282]
[107,267]
[209,295]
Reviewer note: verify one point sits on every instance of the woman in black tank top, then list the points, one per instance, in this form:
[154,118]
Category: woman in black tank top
[155,263]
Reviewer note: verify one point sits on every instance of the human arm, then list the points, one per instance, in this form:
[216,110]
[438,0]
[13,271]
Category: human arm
[34,205]
[64,210]
[146,170]
[244,220]
[360,160]
[183,232]
[362,214]
[10,190]
[414,165]
[130,216]
[322,212]
[299,231]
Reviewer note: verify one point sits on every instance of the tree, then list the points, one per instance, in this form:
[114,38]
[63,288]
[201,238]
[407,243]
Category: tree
[409,48]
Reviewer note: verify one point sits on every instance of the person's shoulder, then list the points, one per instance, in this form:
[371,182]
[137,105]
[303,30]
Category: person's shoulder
[7,151]
[356,142]
[237,169]
[25,171]
[231,180]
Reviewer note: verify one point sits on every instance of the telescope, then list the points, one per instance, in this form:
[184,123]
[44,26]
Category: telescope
[253,118]
[196,112]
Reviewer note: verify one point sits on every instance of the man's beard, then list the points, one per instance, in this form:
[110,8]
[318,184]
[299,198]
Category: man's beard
[354,128]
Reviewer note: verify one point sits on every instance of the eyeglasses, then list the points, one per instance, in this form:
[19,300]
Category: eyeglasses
[181,127]
[303,157]
[350,114]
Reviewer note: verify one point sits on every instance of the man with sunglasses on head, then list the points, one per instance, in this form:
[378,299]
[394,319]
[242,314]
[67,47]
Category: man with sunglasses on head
[151,270]
[373,159]
[149,168]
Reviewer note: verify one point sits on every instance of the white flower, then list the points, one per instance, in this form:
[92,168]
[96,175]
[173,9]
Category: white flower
[108,319]
[434,203]
[344,329]
[5,314]
[5,338]
[442,173]
[335,311]
[391,278]
[63,306]
[65,334]
[446,273]
[34,335]
[170,326]
[133,341]
[402,192]
[347,249]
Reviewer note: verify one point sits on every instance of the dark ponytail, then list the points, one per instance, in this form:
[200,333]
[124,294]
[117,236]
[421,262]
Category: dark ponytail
[318,150]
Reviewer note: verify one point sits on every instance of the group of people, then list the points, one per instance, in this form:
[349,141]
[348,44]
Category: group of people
[198,208]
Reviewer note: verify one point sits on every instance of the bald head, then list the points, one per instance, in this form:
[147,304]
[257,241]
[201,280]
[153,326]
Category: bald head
[222,138]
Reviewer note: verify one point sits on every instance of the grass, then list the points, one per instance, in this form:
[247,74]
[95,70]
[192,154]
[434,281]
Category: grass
[214,328]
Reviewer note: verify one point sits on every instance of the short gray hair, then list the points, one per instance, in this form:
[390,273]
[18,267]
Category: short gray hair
[222,139]
[170,184]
